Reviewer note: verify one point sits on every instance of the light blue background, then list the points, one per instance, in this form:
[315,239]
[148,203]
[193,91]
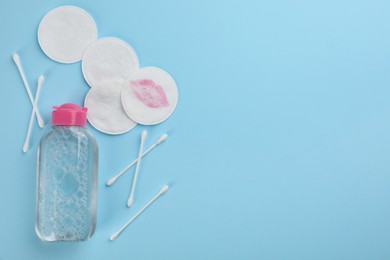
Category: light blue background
[279,147]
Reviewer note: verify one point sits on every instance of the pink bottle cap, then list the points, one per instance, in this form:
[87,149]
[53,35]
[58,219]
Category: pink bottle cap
[69,114]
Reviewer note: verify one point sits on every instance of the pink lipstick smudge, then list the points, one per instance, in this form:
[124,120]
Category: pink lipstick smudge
[149,93]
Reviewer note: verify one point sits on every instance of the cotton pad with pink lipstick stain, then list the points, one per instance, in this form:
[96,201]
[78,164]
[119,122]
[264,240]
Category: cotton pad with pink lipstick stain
[149,96]
[105,111]
[65,33]
[108,59]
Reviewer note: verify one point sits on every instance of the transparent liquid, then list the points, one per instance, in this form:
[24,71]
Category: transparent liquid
[66,185]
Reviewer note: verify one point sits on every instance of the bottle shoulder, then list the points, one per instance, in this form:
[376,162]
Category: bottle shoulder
[68,133]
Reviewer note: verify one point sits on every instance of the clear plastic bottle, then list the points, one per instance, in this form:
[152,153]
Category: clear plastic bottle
[67,177]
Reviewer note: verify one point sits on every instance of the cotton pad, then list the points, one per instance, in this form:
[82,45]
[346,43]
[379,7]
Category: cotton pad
[108,59]
[105,111]
[65,33]
[149,96]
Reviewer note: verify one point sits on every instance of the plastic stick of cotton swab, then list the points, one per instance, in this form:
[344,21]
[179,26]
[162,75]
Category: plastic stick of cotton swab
[141,147]
[116,177]
[16,59]
[27,142]
[161,192]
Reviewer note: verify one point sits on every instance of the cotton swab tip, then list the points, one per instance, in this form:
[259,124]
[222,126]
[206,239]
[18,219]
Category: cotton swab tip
[113,236]
[164,189]
[162,138]
[16,59]
[41,79]
[40,122]
[144,134]
[25,147]
[130,202]
[111,181]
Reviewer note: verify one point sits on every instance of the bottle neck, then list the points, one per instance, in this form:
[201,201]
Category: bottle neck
[68,127]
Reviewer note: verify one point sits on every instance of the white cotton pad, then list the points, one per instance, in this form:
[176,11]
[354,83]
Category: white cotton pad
[65,33]
[105,111]
[149,96]
[108,59]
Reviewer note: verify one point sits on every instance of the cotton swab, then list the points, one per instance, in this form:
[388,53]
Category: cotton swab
[116,177]
[27,142]
[141,147]
[161,192]
[16,59]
